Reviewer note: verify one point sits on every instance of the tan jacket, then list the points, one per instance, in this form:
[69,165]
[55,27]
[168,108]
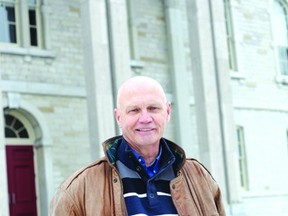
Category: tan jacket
[97,190]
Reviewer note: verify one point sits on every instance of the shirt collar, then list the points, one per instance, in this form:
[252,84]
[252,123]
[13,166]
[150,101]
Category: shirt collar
[153,168]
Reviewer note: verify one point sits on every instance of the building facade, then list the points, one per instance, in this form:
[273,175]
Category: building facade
[222,63]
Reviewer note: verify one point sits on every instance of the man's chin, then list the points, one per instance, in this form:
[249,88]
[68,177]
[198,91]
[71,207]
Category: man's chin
[148,141]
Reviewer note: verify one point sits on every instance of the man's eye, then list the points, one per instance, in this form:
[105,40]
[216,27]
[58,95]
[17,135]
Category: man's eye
[133,110]
[153,108]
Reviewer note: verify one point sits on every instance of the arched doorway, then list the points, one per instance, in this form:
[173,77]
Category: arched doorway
[20,157]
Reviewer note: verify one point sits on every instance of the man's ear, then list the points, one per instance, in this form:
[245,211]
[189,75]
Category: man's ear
[168,109]
[117,116]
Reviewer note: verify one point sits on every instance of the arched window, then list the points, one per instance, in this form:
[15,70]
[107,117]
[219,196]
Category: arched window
[14,128]
[280,34]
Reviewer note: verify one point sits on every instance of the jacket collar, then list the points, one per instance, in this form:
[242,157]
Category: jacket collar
[111,146]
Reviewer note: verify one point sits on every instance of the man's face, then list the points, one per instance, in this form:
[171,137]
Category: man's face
[142,114]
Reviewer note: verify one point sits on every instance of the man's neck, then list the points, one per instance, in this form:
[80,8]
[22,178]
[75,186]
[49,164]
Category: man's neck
[148,153]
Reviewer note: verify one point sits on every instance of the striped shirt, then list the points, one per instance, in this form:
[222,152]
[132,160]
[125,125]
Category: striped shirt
[146,194]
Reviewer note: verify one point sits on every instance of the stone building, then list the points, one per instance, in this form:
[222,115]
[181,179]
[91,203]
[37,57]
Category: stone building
[223,64]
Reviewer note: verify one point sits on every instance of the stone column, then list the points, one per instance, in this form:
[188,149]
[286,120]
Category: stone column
[46,11]
[179,74]
[25,37]
[99,83]
[4,202]
[118,42]
[213,97]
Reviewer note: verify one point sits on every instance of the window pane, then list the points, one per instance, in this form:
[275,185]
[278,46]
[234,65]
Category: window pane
[23,134]
[33,37]
[32,17]
[283,60]
[10,133]
[33,27]
[12,31]
[8,120]
[10,14]
[17,125]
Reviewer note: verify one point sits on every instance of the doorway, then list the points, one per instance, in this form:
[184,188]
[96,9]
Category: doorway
[20,162]
[21,180]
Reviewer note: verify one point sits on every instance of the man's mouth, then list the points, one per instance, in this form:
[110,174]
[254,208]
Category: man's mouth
[144,129]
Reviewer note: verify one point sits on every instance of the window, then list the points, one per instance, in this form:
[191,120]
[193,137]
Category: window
[280,34]
[20,23]
[34,22]
[230,36]
[242,158]
[8,22]
[14,128]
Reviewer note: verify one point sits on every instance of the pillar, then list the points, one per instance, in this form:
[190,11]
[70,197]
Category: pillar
[179,74]
[4,204]
[99,86]
[106,64]
[118,43]
[213,97]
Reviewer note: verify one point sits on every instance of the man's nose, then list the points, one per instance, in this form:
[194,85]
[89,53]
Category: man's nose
[145,117]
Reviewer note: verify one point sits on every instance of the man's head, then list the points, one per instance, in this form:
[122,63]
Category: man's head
[142,111]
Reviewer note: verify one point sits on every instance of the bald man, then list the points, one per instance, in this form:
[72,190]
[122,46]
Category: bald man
[142,173]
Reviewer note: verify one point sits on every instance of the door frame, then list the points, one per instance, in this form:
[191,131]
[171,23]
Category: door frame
[37,125]
[22,142]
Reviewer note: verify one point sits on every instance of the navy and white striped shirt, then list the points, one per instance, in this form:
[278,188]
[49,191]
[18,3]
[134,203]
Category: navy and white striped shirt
[146,194]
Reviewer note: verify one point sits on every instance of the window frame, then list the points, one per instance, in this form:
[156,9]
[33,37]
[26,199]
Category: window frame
[16,131]
[38,17]
[14,4]
[242,158]
[23,46]
[280,77]
[27,125]
[230,36]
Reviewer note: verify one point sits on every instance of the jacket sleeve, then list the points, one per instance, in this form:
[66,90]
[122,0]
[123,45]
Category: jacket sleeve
[202,183]
[215,190]
[88,191]
[62,204]
[218,201]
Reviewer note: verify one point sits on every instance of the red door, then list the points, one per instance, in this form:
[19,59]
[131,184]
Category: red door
[21,180]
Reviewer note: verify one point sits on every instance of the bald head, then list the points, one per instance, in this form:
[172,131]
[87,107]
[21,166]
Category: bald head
[141,84]
[142,113]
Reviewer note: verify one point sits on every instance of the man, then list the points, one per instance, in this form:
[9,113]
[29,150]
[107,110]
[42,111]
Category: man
[142,173]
